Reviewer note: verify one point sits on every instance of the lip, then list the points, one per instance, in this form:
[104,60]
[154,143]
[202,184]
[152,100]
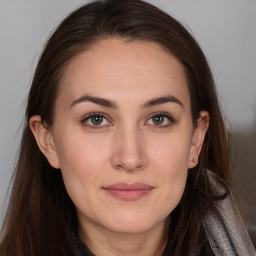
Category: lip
[129,192]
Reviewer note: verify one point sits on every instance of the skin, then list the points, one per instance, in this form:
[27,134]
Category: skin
[129,144]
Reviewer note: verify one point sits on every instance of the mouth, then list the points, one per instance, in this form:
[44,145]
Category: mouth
[129,192]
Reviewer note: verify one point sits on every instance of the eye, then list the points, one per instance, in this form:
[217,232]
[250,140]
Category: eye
[95,120]
[160,119]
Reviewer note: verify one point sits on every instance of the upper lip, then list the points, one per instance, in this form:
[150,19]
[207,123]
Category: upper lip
[128,186]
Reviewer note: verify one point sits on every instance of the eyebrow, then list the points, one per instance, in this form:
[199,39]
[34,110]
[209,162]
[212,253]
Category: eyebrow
[111,104]
[162,100]
[100,101]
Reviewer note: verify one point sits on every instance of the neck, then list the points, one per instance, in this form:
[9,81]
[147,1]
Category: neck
[102,242]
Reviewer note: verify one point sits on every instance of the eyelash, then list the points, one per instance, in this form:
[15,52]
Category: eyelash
[162,114]
[165,115]
[87,117]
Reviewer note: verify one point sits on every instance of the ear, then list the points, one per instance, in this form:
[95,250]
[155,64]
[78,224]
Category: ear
[198,138]
[44,139]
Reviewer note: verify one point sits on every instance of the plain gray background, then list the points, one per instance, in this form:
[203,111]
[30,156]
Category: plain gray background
[225,29]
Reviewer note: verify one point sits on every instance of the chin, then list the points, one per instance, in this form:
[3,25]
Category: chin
[132,224]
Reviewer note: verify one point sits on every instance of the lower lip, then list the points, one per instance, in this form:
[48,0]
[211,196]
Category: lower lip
[128,195]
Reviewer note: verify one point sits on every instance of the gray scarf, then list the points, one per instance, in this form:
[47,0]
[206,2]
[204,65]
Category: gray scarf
[226,230]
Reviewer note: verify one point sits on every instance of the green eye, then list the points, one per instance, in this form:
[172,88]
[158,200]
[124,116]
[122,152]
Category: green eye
[158,119]
[95,121]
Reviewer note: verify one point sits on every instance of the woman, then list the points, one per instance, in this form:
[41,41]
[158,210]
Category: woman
[124,150]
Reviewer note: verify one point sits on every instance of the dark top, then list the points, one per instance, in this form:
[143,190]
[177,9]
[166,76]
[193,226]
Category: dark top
[84,251]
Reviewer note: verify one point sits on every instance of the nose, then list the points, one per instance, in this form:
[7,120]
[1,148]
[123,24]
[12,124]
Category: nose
[129,151]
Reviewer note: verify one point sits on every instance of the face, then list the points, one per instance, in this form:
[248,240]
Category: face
[122,135]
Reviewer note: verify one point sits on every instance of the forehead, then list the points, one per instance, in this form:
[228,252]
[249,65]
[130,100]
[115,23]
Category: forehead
[114,68]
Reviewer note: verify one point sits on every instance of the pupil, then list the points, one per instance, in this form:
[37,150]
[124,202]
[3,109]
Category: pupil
[158,120]
[97,120]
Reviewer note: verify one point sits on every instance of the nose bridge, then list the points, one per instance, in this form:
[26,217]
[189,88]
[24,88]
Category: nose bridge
[129,153]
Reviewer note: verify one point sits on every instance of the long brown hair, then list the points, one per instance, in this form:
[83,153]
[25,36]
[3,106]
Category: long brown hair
[41,218]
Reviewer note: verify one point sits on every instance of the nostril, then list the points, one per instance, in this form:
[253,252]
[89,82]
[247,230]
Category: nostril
[119,166]
[139,166]
[129,167]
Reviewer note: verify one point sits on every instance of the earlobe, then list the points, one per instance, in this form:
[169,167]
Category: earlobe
[44,139]
[198,138]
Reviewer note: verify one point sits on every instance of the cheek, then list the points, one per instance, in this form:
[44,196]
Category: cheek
[171,151]
[81,162]
[174,176]
[79,153]
[170,159]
